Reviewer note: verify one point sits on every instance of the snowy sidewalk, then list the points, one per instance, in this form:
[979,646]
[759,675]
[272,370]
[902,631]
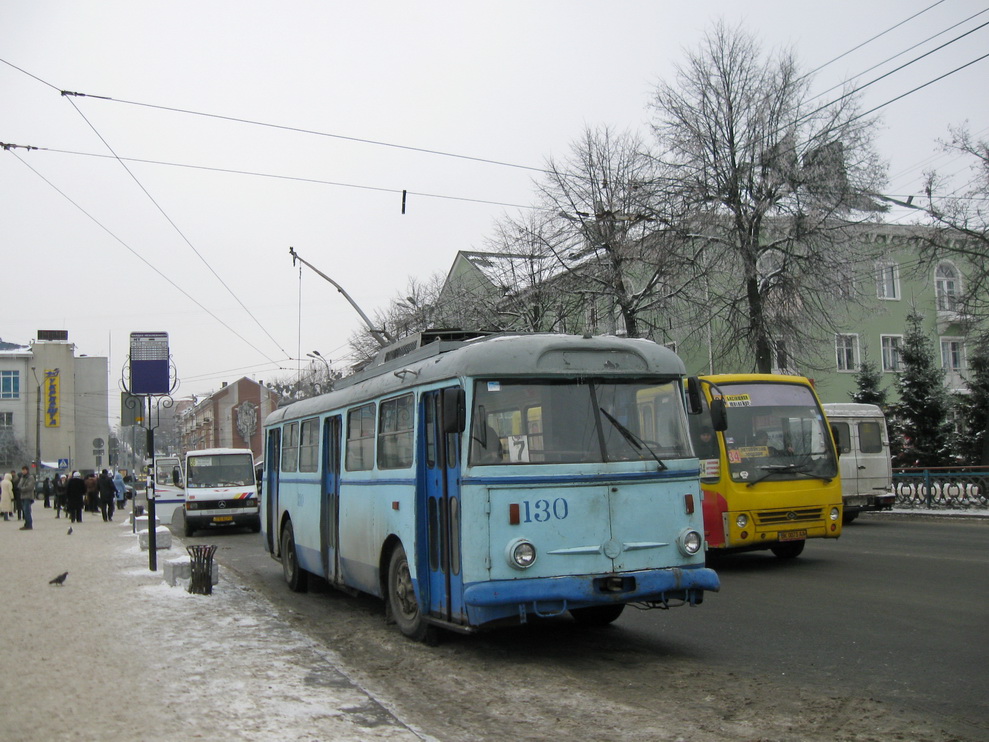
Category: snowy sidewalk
[117,654]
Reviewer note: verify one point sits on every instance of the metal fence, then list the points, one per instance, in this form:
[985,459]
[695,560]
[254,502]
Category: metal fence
[945,488]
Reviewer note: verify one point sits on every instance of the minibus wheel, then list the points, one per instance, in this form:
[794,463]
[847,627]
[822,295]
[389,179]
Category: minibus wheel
[788,549]
[295,576]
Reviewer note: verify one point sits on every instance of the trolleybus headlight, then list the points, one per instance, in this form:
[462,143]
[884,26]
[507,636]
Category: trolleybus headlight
[742,520]
[690,542]
[521,554]
[834,513]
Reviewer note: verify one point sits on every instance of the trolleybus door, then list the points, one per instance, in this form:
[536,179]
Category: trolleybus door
[329,515]
[439,561]
[272,463]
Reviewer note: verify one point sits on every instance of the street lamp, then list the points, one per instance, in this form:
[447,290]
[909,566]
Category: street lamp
[316,354]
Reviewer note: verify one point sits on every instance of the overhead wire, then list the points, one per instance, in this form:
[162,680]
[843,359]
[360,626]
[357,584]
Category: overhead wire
[171,222]
[136,254]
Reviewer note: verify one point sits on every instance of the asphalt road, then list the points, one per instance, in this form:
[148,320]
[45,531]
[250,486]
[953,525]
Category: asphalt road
[896,610]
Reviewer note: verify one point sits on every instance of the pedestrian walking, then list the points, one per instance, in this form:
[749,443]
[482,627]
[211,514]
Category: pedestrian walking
[92,494]
[108,493]
[46,490]
[7,497]
[75,495]
[25,488]
[59,488]
[121,489]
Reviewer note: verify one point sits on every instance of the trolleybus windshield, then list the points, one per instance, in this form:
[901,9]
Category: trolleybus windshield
[562,421]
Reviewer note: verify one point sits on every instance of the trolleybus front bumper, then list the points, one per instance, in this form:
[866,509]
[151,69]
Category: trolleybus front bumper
[549,596]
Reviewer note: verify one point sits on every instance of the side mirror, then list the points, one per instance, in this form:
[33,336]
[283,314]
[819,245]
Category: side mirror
[719,415]
[694,404]
[454,410]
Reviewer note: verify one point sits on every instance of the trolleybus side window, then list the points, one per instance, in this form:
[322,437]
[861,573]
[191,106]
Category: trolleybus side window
[309,445]
[360,438]
[290,447]
[395,432]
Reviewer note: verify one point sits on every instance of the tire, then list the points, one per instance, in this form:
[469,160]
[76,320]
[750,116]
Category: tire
[187,528]
[597,615]
[847,517]
[295,576]
[256,526]
[403,607]
[788,549]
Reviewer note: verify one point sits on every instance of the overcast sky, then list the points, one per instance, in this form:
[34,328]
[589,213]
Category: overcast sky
[190,248]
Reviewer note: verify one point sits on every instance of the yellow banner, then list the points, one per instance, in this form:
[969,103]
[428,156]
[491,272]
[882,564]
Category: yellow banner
[51,392]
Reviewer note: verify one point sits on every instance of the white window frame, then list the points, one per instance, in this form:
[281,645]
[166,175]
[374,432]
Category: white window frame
[10,388]
[888,280]
[953,346]
[947,289]
[891,365]
[842,349]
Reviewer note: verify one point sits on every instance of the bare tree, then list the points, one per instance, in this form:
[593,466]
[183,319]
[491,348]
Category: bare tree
[615,234]
[410,312]
[960,221]
[781,181]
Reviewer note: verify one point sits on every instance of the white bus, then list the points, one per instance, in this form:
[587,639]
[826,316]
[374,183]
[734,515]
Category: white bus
[220,490]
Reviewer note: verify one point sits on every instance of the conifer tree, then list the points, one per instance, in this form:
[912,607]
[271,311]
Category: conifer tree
[974,407]
[925,405]
[868,381]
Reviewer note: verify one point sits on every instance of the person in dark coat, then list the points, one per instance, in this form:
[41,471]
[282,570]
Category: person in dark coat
[92,494]
[108,493]
[75,494]
[59,488]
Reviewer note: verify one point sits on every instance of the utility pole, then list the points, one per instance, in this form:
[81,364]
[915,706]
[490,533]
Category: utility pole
[37,426]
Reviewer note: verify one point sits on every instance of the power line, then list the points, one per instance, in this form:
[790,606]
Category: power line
[299,130]
[277,176]
[174,225]
[869,41]
[137,254]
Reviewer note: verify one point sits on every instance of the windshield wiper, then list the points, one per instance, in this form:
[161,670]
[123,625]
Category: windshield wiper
[787,469]
[633,440]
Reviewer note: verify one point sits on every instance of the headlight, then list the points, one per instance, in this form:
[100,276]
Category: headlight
[742,520]
[690,542]
[834,513]
[521,554]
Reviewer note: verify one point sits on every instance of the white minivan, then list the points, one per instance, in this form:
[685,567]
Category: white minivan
[865,464]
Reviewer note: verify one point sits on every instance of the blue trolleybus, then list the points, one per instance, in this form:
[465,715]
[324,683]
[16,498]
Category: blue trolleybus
[477,481]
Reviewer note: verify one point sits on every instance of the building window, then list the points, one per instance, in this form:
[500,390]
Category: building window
[395,433]
[10,384]
[891,345]
[360,438]
[847,352]
[887,281]
[309,445]
[952,354]
[947,287]
[6,420]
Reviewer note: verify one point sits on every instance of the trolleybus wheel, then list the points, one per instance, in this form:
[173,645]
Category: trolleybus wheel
[597,615]
[295,576]
[788,549]
[402,603]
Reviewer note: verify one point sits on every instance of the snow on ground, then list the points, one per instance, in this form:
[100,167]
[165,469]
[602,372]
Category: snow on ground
[117,654]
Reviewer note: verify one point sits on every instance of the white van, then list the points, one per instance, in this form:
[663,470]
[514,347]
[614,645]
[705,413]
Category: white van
[221,490]
[865,465]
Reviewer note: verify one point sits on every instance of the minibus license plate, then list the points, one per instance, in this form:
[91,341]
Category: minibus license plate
[793,535]
[222,518]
